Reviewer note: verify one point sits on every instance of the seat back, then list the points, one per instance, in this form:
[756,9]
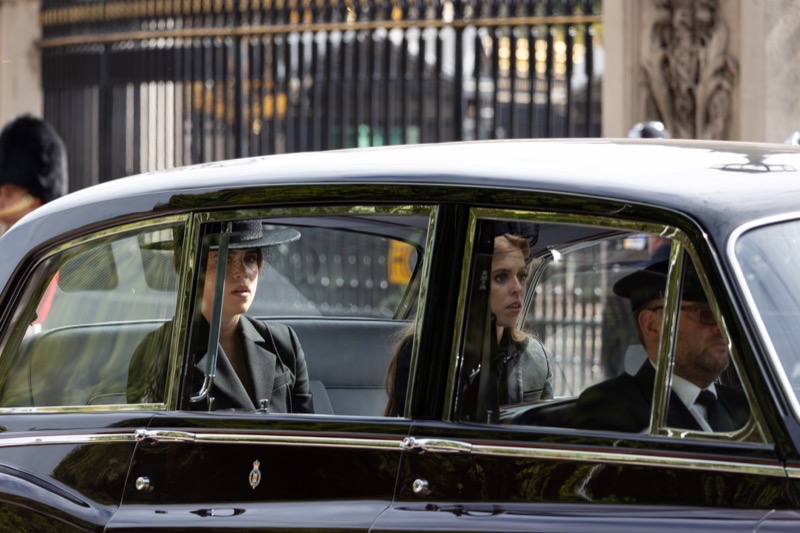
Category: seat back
[73,365]
[350,357]
[88,365]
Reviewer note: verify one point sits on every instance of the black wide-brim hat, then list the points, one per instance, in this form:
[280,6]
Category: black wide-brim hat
[253,234]
[649,283]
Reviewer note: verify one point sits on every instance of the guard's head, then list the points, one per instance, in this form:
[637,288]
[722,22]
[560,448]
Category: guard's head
[33,157]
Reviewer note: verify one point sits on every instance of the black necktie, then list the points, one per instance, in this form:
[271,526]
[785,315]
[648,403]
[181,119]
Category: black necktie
[716,414]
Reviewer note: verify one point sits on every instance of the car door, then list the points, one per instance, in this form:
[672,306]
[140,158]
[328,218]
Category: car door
[348,288]
[532,465]
[67,439]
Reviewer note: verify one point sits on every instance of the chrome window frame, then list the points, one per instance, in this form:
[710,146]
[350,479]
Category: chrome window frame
[755,429]
[772,354]
[361,209]
[15,332]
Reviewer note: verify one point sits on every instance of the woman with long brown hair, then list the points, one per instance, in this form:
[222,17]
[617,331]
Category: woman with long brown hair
[520,359]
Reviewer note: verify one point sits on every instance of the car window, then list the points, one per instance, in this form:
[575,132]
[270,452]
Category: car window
[340,297]
[569,318]
[303,316]
[84,308]
[767,257]
[342,266]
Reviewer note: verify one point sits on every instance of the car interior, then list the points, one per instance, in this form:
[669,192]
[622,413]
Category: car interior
[349,289]
[110,293]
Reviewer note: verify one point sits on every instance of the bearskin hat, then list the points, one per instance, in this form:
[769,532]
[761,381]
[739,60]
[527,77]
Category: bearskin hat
[33,157]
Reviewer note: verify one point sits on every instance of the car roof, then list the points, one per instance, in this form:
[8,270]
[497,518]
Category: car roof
[712,181]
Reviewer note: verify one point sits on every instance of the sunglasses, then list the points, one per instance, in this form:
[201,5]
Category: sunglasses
[698,313]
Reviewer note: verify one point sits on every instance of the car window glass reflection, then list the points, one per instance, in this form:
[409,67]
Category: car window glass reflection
[306,319]
[768,257]
[504,364]
[704,381]
[99,300]
[255,365]
[595,302]
[697,400]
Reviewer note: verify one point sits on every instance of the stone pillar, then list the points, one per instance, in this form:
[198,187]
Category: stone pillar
[769,90]
[622,98]
[708,69]
[20,59]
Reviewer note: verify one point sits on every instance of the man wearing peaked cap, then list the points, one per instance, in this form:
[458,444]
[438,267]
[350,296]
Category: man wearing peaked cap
[697,401]
[649,283]
[33,167]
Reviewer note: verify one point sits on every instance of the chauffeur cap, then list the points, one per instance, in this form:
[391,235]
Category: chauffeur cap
[650,282]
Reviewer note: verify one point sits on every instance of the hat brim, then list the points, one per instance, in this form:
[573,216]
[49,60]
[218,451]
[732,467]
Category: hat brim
[267,238]
[650,283]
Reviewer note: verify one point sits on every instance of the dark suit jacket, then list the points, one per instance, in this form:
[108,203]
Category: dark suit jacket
[624,403]
[274,358]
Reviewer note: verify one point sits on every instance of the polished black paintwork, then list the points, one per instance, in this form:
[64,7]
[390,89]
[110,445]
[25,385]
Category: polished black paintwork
[706,189]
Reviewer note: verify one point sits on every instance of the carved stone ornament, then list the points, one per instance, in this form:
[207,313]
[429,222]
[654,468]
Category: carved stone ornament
[688,74]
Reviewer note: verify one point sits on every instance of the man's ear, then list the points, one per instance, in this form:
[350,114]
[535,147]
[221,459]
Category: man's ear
[650,326]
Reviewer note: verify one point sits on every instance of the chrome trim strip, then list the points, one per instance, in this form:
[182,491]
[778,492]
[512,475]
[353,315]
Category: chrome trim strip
[422,299]
[160,435]
[165,435]
[71,439]
[793,472]
[628,458]
[772,354]
[414,444]
[668,339]
[417,445]
[99,408]
[454,373]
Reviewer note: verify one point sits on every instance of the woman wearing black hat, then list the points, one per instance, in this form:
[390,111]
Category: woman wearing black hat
[258,366]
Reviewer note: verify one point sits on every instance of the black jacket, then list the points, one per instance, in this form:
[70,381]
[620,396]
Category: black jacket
[624,403]
[274,357]
[524,372]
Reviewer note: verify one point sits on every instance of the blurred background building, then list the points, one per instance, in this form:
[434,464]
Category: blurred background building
[140,85]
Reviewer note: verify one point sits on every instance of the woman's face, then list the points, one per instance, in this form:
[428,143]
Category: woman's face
[241,280]
[15,202]
[509,275]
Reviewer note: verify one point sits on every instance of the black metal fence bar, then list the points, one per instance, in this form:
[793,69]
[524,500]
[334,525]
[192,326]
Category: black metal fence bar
[143,85]
[140,85]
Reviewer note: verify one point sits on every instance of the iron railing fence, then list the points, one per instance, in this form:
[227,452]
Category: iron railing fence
[141,85]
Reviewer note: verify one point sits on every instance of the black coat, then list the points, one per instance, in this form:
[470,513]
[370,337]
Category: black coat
[274,358]
[624,403]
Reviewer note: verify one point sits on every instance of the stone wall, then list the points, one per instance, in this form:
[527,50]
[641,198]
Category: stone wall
[708,69]
[20,84]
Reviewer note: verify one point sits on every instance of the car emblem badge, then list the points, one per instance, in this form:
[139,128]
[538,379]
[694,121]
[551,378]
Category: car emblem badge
[255,475]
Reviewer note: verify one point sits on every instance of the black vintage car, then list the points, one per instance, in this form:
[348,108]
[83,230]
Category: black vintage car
[397,253]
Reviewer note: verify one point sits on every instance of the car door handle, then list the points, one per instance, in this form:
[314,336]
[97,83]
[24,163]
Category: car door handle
[414,444]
